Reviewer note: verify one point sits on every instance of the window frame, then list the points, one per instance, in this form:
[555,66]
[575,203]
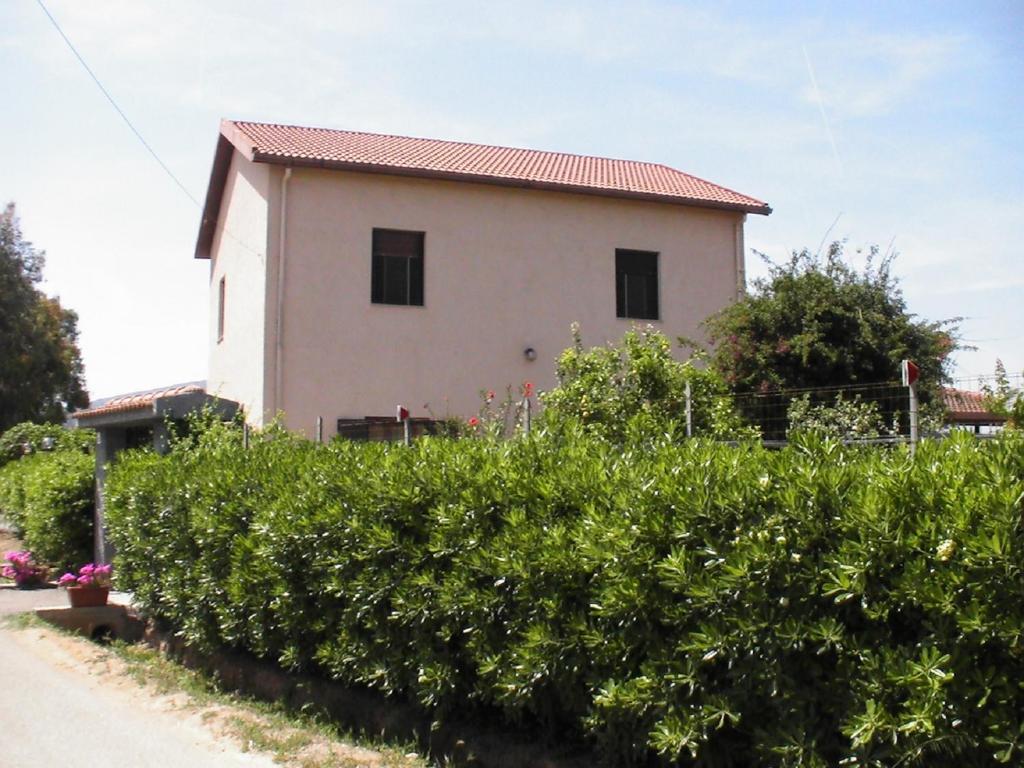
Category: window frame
[414,262]
[651,309]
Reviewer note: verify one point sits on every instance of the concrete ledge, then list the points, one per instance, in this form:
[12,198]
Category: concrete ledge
[105,622]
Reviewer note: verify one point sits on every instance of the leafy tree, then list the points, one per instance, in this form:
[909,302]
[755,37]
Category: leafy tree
[816,321]
[1003,399]
[41,371]
[638,385]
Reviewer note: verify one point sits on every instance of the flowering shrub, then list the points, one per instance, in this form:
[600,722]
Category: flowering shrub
[497,419]
[90,575]
[22,568]
[670,603]
[638,386]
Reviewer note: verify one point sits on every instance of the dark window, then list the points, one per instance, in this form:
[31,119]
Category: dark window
[636,284]
[397,273]
[220,309]
[138,437]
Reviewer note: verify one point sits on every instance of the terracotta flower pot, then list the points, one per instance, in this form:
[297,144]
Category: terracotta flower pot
[88,597]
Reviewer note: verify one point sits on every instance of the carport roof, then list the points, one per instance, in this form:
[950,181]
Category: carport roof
[139,401]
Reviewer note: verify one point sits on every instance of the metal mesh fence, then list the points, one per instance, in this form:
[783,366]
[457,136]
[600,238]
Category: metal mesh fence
[865,412]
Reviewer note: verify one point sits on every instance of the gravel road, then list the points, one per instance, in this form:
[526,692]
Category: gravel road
[60,708]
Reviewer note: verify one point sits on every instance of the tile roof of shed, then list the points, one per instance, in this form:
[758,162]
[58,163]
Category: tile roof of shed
[137,401]
[964,405]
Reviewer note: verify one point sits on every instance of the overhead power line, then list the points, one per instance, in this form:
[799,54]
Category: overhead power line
[120,111]
[136,131]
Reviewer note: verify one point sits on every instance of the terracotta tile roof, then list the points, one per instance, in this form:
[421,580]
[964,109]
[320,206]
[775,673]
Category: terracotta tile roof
[294,145]
[137,401]
[964,405]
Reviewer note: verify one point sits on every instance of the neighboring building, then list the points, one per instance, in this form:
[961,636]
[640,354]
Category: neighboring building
[351,272]
[969,410]
[139,420]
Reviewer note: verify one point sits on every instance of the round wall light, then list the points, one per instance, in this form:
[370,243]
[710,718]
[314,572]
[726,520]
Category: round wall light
[530,353]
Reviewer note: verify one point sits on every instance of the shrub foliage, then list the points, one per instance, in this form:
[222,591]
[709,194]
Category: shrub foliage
[668,602]
[27,438]
[48,495]
[49,499]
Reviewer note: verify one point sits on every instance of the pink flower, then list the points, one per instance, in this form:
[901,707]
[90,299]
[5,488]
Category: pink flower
[473,422]
[527,389]
[490,395]
[90,575]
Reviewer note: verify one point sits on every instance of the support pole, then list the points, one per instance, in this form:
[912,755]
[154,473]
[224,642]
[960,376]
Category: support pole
[689,412]
[914,415]
[909,373]
[407,431]
[527,416]
[319,429]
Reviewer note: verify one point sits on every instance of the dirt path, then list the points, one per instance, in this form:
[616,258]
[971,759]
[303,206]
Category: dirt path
[7,540]
[65,707]
[69,701]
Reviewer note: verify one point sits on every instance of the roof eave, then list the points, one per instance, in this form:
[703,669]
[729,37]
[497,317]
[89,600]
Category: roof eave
[230,138]
[102,416]
[388,170]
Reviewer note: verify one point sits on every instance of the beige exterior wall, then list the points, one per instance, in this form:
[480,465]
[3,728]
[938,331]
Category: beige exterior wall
[505,269]
[236,370]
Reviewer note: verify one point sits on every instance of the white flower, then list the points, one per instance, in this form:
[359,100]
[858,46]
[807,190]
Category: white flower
[946,550]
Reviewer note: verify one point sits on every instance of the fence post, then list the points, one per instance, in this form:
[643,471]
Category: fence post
[909,373]
[689,412]
[914,426]
[319,429]
[245,435]
[528,418]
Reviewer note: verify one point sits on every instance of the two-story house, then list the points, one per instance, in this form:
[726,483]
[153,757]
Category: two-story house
[350,272]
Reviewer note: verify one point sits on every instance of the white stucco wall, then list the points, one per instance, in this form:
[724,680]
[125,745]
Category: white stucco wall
[236,370]
[505,269]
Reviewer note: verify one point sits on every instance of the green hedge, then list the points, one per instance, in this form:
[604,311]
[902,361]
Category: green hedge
[666,603]
[49,499]
[28,438]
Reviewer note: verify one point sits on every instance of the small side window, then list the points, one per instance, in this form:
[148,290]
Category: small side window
[636,284]
[220,308]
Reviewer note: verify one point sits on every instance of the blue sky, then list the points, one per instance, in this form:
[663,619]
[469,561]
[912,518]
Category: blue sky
[903,125]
